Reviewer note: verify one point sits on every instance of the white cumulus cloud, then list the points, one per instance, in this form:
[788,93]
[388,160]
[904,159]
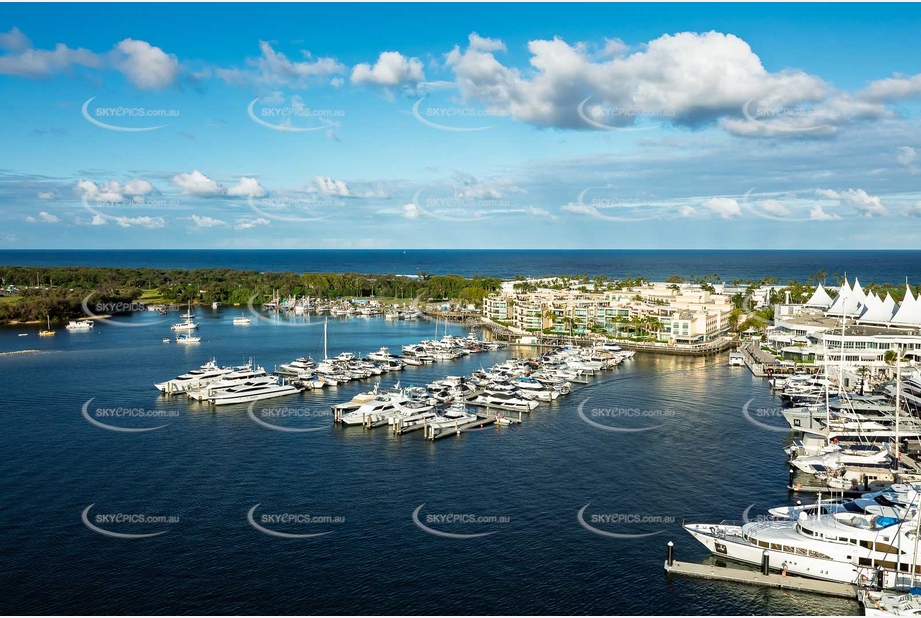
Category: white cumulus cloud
[145,66]
[724,207]
[197,184]
[392,69]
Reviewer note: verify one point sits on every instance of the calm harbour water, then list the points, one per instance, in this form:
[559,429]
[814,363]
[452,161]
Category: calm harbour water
[655,265]
[210,467]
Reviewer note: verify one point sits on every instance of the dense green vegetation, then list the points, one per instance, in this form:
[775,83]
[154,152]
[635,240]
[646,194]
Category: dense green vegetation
[60,291]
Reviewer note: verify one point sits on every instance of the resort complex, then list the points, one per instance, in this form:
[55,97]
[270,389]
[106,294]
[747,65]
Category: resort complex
[669,312]
[863,325]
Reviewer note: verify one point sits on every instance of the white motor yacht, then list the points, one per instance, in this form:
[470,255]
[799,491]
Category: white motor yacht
[252,390]
[197,378]
[239,375]
[505,401]
[80,325]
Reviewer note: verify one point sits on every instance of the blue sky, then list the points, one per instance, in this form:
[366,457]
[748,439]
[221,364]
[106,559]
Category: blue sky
[460,126]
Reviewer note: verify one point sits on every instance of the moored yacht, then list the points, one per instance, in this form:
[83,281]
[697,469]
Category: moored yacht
[80,325]
[846,547]
[505,401]
[252,390]
[197,378]
[239,375]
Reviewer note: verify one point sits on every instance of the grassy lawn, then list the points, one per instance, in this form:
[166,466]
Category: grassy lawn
[9,299]
[150,296]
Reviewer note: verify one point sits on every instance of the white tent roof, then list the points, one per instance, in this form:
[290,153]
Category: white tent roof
[880,312]
[858,293]
[909,313]
[820,298]
[872,301]
[848,301]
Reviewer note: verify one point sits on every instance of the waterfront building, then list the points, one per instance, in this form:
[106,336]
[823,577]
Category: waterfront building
[855,328]
[683,313]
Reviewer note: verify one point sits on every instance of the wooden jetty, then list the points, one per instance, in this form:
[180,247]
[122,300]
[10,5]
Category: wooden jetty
[483,420]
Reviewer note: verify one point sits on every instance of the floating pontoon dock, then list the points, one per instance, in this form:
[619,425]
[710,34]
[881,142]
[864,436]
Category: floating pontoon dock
[755,578]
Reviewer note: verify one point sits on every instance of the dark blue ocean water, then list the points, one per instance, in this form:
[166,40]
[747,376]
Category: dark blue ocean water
[878,266]
[209,467]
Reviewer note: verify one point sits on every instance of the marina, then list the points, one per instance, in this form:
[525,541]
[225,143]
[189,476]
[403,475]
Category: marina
[515,436]
[313,310]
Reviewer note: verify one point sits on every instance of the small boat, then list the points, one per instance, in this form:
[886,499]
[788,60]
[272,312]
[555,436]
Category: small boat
[80,325]
[23,334]
[187,325]
[187,339]
[48,332]
[879,603]
[166,340]
[242,320]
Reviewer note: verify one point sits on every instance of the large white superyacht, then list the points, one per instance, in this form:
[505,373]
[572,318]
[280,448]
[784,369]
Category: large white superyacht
[847,547]
[252,390]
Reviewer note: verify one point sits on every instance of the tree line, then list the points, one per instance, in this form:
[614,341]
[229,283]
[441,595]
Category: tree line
[59,291]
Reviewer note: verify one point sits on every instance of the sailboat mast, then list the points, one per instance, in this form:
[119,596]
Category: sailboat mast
[827,384]
[325,353]
[898,396]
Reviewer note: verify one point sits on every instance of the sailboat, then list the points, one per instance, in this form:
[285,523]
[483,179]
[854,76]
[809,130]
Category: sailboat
[188,324]
[48,332]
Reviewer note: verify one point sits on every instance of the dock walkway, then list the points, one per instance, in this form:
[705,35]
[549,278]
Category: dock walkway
[773,580]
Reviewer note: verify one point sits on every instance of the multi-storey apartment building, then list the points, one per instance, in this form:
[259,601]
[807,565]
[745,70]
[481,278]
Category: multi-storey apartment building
[680,313]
